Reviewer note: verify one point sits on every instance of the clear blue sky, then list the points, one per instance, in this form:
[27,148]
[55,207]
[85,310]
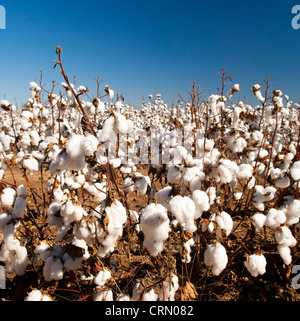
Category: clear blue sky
[136,46]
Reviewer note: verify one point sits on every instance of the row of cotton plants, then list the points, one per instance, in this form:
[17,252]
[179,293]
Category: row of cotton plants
[211,165]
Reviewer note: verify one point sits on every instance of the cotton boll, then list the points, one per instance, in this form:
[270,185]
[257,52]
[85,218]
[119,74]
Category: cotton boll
[141,182]
[224,222]
[258,220]
[89,145]
[105,295]
[19,207]
[154,224]
[215,257]
[225,174]
[293,212]
[37,295]
[201,201]
[166,290]
[150,295]
[285,253]
[53,269]
[117,217]
[174,175]
[102,277]
[184,209]
[275,218]
[186,250]
[31,164]
[283,182]
[8,197]
[256,264]
[285,240]
[163,196]
[295,171]
[244,171]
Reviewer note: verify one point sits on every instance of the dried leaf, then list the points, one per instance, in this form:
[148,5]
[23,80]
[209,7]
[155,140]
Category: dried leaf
[189,292]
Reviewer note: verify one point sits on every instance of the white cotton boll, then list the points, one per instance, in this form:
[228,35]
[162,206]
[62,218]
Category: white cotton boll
[166,290]
[244,171]
[107,132]
[295,171]
[106,295]
[71,264]
[75,153]
[184,209]
[211,192]
[19,207]
[102,277]
[4,219]
[275,218]
[256,264]
[284,236]
[8,197]
[201,201]
[238,196]
[275,173]
[123,297]
[89,145]
[37,295]
[174,175]
[283,182]
[42,251]
[215,256]
[154,224]
[115,162]
[224,222]
[53,269]
[186,250]
[225,174]
[293,212]
[285,253]
[150,295]
[142,182]
[117,217]
[193,177]
[31,164]
[163,196]
[258,220]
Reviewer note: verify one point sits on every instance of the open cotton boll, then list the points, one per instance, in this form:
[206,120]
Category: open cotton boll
[37,295]
[31,164]
[8,197]
[150,295]
[19,207]
[89,145]
[256,264]
[174,175]
[285,240]
[244,171]
[193,177]
[106,295]
[293,212]
[163,196]
[186,249]
[224,222]
[184,210]
[275,218]
[75,152]
[215,256]
[295,171]
[143,183]
[53,269]
[201,201]
[166,290]
[258,220]
[283,182]
[154,224]
[102,277]
[117,216]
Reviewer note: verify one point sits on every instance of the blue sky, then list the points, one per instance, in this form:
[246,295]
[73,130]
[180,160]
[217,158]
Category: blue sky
[137,46]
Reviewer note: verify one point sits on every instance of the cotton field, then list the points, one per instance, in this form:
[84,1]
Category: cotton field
[195,201]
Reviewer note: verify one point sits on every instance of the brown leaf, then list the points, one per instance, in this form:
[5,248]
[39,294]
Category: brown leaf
[189,292]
